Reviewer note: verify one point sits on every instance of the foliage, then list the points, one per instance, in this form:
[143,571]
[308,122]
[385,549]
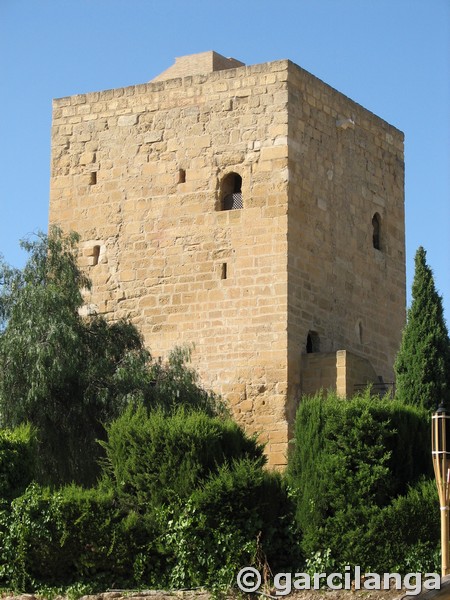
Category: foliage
[351,458]
[41,336]
[322,562]
[69,375]
[423,362]
[184,499]
[73,535]
[203,479]
[238,517]
[51,279]
[176,384]
[47,373]
[244,500]
[17,460]
[187,503]
[407,535]
[155,457]
[230,516]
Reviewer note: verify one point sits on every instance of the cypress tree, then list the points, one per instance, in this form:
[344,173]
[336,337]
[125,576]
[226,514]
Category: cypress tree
[422,365]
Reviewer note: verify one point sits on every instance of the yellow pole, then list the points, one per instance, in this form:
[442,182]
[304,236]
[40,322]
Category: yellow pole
[441,471]
[444,542]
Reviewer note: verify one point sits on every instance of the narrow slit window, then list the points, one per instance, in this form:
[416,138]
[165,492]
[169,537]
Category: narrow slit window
[93,178]
[95,255]
[376,231]
[223,274]
[182,176]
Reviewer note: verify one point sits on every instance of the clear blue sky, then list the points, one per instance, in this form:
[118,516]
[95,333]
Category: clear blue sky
[391,56]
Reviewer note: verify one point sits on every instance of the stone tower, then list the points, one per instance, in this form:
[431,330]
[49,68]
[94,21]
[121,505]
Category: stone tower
[251,210]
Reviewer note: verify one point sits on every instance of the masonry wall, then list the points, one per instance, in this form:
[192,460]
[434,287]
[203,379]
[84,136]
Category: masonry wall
[204,62]
[137,172]
[350,294]
[353,372]
[337,371]
[319,371]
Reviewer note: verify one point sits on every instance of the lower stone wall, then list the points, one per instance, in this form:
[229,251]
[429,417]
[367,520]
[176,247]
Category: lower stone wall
[338,371]
[318,372]
[352,370]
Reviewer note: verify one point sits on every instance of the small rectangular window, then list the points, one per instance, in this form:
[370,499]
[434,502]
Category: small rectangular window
[223,274]
[95,255]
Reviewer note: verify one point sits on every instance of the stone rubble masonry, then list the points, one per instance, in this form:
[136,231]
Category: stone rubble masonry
[138,172]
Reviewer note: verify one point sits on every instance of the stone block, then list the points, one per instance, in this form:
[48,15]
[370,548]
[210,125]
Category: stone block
[127,120]
[87,158]
[153,136]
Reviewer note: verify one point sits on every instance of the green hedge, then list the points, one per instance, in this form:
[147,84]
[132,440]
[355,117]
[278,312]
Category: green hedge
[406,535]
[75,535]
[17,460]
[352,458]
[240,516]
[154,458]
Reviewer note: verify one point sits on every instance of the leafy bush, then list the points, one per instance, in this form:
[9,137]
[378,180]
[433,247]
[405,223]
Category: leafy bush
[17,460]
[195,504]
[154,458]
[407,532]
[240,516]
[351,458]
[73,536]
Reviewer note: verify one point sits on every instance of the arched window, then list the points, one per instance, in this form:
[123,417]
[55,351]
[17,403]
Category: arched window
[231,192]
[376,231]
[312,342]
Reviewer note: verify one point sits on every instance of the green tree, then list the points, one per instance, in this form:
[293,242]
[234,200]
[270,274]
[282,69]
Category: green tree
[176,384]
[70,375]
[350,458]
[62,373]
[422,365]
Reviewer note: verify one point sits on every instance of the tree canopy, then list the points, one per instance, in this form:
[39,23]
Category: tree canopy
[70,375]
[423,362]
